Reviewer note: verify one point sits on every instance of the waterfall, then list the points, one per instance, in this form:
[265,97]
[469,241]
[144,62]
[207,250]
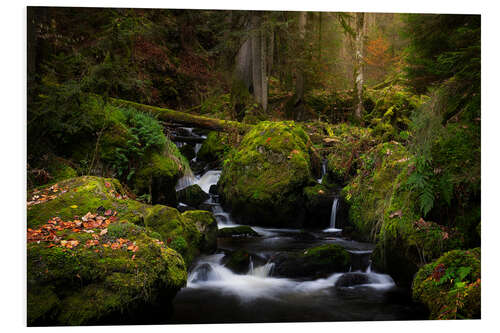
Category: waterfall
[333,216]
[186,180]
[323,171]
[210,178]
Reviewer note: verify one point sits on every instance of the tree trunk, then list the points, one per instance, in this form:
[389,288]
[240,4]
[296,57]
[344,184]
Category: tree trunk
[184,118]
[358,65]
[263,69]
[256,58]
[299,83]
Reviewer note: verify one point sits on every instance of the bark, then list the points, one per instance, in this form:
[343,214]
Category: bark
[358,65]
[299,83]
[256,57]
[184,118]
[263,69]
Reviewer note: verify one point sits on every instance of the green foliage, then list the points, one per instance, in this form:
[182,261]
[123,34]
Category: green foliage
[451,285]
[179,244]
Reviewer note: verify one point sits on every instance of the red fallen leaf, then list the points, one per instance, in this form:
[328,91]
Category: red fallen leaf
[445,235]
[96,251]
[108,212]
[268,139]
[130,247]
[133,257]
[112,218]
[169,240]
[107,184]
[51,245]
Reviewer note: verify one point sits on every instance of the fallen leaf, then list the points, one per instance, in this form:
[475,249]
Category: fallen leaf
[74,206]
[103,232]
[397,213]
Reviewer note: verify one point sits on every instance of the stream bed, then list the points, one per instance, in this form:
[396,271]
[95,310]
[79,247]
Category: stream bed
[216,294]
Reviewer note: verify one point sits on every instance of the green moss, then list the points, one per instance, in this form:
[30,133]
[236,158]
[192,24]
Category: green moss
[333,255]
[450,286]
[196,228]
[214,147]
[262,177]
[192,195]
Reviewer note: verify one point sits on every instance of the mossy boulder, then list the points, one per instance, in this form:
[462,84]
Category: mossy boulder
[80,285]
[316,262]
[318,203]
[192,195]
[189,233]
[188,152]
[451,286]
[238,261]
[239,231]
[214,147]
[262,180]
[384,208]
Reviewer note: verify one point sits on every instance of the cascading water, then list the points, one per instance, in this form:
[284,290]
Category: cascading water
[323,171]
[210,178]
[187,180]
[333,216]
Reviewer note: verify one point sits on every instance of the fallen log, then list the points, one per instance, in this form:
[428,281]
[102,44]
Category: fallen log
[184,118]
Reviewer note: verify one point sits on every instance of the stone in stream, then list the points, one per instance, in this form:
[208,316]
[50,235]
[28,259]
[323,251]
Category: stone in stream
[239,231]
[352,279]
[316,262]
[213,189]
[192,195]
[202,272]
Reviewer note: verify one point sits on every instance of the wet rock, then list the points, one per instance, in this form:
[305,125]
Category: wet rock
[192,195]
[315,262]
[352,279]
[213,189]
[202,272]
[238,261]
[239,231]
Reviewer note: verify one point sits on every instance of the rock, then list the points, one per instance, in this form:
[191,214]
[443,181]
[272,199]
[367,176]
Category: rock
[188,151]
[352,279]
[62,281]
[263,179]
[192,195]
[202,272]
[318,203]
[239,231]
[238,261]
[212,149]
[213,189]
[459,295]
[316,262]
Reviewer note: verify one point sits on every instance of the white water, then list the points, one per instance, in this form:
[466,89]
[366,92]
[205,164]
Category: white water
[333,216]
[258,282]
[323,171]
[210,178]
[187,180]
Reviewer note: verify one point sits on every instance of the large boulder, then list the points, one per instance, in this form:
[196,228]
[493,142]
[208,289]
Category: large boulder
[451,286]
[94,253]
[262,180]
[315,262]
[192,195]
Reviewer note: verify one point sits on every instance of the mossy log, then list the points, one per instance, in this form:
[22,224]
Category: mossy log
[185,118]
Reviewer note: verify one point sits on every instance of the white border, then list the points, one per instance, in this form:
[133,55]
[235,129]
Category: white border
[13,138]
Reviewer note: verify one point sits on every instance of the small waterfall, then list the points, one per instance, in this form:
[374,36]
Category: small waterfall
[187,180]
[210,178]
[197,148]
[323,171]
[333,216]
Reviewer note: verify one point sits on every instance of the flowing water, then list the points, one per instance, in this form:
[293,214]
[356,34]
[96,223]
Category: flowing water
[216,294]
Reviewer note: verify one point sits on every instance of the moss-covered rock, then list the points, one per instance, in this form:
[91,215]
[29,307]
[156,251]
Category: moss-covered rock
[384,208]
[314,262]
[451,286]
[238,261]
[214,147]
[318,203]
[239,231]
[262,180]
[191,232]
[91,283]
[192,195]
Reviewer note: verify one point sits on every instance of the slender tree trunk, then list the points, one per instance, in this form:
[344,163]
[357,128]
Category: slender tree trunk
[299,83]
[358,65]
[263,69]
[319,35]
[256,67]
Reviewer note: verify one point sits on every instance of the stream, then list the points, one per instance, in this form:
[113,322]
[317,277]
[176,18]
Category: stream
[216,294]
